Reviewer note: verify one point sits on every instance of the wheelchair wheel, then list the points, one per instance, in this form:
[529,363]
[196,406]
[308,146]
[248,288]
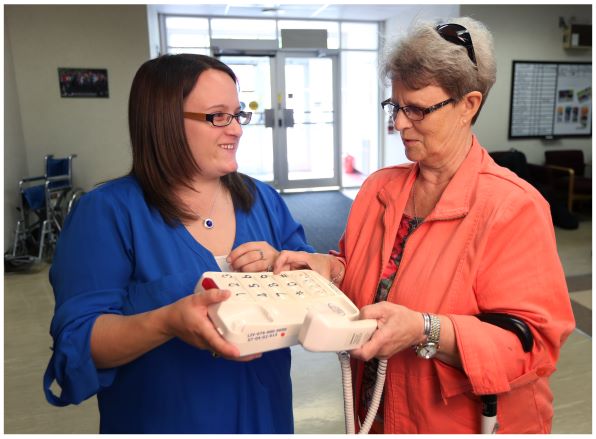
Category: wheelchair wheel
[18,264]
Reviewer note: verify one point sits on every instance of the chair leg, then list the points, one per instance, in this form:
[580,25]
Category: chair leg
[18,236]
[570,194]
[46,229]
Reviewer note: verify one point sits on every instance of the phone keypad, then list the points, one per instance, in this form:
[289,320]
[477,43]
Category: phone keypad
[298,285]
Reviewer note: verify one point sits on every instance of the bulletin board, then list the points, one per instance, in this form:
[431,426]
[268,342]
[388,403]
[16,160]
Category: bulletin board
[550,99]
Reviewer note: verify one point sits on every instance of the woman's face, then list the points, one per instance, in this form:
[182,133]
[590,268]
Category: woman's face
[436,138]
[213,148]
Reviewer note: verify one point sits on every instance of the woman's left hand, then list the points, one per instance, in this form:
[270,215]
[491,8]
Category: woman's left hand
[399,328]
[253,256]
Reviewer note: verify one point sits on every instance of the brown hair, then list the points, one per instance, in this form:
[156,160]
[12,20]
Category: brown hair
[161,156]
[422,57]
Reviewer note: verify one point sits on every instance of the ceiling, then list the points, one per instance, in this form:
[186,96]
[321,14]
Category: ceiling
[378,12]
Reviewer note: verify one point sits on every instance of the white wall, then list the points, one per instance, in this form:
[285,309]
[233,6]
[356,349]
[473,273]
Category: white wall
[15,153]
[42,38]
[525,33]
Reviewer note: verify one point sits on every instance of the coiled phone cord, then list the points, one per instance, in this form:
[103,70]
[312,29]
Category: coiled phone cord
[346,377]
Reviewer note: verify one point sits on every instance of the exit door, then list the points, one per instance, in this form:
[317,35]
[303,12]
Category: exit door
[292,139]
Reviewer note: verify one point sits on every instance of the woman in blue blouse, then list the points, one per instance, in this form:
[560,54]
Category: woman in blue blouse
[127,326]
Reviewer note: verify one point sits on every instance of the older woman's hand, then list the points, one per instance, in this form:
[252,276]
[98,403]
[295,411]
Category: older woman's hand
[253,256]
[325,265]
[399,328]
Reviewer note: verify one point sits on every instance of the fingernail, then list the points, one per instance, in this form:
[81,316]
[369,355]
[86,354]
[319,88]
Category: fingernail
[208,283]
[228,259]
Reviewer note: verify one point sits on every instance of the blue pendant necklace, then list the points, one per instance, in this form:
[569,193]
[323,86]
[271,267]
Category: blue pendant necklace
[208,221]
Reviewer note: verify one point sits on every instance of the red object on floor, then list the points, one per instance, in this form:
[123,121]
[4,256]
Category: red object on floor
[349,164]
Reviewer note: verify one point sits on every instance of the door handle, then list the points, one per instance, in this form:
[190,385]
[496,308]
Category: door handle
[288,117]
[269,118]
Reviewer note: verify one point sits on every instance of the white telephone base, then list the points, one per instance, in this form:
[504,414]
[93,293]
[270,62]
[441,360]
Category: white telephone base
[269,311]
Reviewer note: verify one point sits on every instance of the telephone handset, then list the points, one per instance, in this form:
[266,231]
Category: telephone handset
[269,311]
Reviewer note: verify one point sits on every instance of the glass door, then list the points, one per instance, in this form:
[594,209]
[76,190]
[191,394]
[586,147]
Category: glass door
[291,141]
[310,156]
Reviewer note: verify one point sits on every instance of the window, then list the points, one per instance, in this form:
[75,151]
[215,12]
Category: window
[187,35]
[242,28]
[359,36]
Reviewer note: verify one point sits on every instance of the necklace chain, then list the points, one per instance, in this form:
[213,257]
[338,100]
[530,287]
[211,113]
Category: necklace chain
[208,222]
[414,200]
[417,219]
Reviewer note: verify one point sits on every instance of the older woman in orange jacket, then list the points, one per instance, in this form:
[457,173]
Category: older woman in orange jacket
[430,244]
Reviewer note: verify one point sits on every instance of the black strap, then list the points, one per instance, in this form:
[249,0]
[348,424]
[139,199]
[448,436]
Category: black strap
[513,324]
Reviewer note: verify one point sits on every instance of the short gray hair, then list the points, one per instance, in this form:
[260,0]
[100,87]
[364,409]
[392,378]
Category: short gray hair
[424,58]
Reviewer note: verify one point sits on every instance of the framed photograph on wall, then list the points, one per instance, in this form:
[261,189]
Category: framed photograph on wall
[83,83]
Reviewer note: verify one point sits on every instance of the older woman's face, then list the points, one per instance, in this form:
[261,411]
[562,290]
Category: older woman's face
[435,138]
[213,148]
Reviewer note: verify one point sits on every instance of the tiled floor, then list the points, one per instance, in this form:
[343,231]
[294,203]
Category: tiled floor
[318,401]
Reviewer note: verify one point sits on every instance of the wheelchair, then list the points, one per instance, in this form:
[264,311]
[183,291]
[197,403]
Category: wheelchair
[44,203]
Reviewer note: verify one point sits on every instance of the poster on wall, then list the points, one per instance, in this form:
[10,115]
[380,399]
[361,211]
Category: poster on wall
[574,100]
[83,82]
[550,99]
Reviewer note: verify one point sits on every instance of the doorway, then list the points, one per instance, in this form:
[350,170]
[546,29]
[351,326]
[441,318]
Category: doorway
[292,140]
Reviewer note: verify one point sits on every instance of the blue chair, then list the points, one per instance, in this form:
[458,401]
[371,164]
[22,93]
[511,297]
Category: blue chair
[44,202]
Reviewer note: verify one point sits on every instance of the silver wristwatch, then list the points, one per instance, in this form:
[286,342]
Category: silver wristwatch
[432,330]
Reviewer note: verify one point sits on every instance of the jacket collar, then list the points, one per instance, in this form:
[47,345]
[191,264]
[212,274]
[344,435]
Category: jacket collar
[456,198]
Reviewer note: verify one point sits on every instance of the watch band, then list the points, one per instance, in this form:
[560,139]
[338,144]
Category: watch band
[434,332]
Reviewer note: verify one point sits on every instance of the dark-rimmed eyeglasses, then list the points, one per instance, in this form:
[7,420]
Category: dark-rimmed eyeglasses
[220,119]
[412,112]
[457,34]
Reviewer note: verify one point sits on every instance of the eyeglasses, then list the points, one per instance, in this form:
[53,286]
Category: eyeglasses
[411,111]
[457,34]
[220,119]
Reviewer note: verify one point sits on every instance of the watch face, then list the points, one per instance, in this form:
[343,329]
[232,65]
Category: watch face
[427,350]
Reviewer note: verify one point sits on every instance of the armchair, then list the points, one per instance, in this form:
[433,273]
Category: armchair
[567,172]
[540,177]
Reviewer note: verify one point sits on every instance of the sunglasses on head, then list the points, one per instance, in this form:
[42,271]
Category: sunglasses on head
[457,34]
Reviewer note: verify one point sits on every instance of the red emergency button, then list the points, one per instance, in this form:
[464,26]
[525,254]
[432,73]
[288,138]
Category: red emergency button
[208,283]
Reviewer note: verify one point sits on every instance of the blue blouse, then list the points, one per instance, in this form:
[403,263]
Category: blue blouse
[117,255]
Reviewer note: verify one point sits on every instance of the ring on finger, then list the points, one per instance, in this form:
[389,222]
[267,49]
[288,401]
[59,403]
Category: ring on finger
[262,254]
[269,267]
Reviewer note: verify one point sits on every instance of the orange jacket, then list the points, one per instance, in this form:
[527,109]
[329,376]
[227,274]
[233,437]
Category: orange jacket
[488,246]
